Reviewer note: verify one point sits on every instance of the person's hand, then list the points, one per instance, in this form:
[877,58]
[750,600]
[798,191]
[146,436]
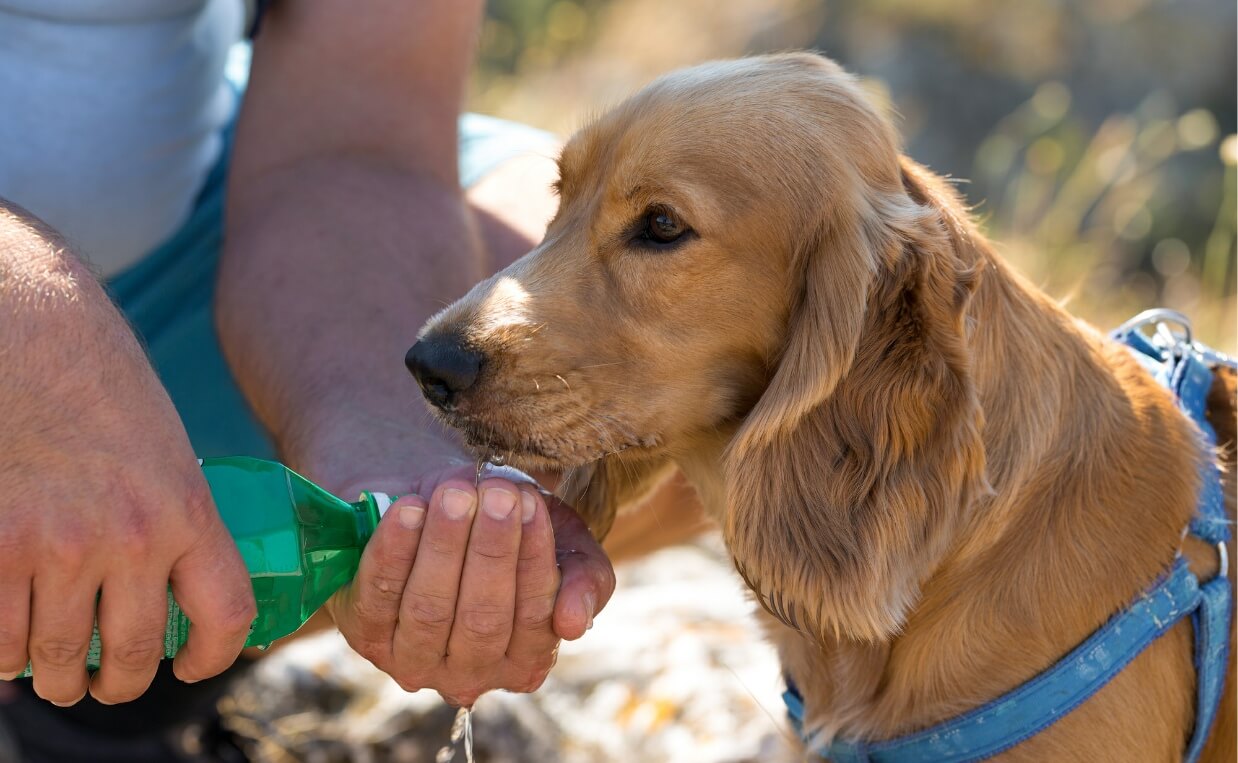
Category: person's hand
[100,495]
[462,594]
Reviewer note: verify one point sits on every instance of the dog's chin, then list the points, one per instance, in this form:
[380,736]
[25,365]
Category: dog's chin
[546,453]
[523,459]
[529,449]
[530,464]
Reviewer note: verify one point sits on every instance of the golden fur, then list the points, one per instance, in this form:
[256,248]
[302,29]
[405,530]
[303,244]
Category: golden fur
[935,480]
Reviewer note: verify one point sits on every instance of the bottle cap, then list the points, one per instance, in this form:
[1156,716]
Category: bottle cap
[382,502]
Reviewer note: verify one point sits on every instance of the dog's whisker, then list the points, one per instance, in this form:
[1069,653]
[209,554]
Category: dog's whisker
[778,725]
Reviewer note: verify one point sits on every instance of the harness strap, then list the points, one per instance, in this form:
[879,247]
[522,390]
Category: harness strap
[1181,366]
[1212,633]
[1029,709]
[1190,380]
[1184,367]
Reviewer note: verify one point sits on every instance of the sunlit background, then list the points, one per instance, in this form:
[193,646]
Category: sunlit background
[1095,138]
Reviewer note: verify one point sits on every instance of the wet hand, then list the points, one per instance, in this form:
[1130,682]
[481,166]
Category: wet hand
[464,593]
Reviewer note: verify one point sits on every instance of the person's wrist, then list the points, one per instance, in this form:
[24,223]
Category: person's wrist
[347,454]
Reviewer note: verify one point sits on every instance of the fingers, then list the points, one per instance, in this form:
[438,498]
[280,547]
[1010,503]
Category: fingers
[428,606]
[477,610]
[487,599]
[212,586]
[61,621]
[367,609]
[132,618]
[588,579]
[531,650]
[14,626]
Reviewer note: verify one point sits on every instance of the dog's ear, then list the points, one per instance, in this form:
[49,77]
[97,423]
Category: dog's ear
[847,480]
[599,491]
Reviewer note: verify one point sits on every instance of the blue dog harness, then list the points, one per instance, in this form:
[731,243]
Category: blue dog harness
[1185,368]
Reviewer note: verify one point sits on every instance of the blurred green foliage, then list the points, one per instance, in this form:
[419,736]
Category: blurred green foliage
[1095,138]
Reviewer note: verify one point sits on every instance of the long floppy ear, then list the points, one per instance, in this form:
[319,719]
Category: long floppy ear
[847,480]
[600,491]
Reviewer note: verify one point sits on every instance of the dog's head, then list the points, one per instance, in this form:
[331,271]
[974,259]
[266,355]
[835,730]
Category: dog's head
[739,248]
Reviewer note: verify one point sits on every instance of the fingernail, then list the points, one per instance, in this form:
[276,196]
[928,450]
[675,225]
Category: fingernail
[590,606]
[411,517]
[185,680]
[9,676]
[498,503]
[528,506]
[67,704]
[457,504]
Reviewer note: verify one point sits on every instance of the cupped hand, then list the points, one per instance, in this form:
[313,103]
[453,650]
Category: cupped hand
[466,592]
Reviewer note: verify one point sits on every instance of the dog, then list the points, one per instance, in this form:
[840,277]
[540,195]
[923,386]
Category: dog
[935,481]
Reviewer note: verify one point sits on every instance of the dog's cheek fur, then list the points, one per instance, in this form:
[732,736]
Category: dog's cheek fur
[871,478]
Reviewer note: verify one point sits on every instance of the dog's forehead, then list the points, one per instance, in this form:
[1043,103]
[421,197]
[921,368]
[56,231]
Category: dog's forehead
[707,116]
[666,102]
[651,157]
[637,175]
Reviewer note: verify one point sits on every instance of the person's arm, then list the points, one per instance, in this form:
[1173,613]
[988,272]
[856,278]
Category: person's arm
[100,493]
[346,225]
[346,230]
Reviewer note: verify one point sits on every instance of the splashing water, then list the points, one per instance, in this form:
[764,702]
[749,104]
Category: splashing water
[461,731]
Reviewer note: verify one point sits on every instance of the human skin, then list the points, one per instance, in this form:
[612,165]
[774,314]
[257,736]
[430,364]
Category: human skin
[94,460]
[346,229]
[324,220]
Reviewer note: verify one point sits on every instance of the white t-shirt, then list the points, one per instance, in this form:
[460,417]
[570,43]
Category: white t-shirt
[111,113]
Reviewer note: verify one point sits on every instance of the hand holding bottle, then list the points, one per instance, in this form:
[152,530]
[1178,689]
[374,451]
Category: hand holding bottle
[100,494]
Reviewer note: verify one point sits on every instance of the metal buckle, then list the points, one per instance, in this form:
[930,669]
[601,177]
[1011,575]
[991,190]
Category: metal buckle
[1176,343]
[1161,318]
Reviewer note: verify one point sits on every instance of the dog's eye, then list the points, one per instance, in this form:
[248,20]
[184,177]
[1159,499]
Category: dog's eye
[663,227]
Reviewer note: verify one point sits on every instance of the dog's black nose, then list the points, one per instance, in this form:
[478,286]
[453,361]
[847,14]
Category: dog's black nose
[443,367]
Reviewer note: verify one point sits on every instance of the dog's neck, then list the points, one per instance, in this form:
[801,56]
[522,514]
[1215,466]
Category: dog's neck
[1090,491]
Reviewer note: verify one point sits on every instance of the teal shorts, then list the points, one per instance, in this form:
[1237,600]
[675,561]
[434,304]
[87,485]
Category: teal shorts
[168,296]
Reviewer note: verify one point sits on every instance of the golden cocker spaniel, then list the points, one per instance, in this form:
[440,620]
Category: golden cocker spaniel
[935,480]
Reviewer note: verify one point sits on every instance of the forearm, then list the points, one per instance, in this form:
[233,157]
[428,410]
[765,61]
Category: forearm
[345,227]
[331,266]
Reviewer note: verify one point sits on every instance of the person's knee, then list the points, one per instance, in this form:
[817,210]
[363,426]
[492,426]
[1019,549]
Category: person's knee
[514,203]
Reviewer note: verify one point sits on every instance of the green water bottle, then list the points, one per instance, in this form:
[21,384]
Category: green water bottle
[300,543]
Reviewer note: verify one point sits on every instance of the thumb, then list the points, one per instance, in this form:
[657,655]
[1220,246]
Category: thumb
[588,579]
